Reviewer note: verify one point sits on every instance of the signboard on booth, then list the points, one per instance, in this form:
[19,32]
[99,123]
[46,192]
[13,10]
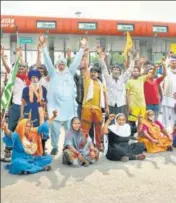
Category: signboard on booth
[25,40]
[7,23]
[160,29]
[87,26]
[46,24]
[125,27]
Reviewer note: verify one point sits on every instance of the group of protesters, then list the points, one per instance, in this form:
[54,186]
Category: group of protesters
[132,105]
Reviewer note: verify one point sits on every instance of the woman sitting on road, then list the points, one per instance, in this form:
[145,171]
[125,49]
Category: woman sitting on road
[78,147]
[27,147]
[153,135]
[119,146]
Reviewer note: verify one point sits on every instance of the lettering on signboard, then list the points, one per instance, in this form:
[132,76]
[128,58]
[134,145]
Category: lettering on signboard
[7,23]
[87,26]
[157,28]
[125,27]
[46,24]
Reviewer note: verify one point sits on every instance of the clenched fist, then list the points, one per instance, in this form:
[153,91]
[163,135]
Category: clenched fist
[42,39]
[83,42]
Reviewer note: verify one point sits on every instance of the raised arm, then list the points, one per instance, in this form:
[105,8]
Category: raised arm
[107,123]
[170,54]
[86,66]
[4,62]
[44,127]
[53,117]
[104,67]
[128,60]
[68,54]
[128,99]
[4,127]
[164,69]
[151,75]
[128,71]
[78,57]
[39,51]
[19,53]
[47,60]
[142,60]
[106,103]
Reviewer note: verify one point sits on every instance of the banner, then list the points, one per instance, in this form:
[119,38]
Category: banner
[7,94]
[129,44]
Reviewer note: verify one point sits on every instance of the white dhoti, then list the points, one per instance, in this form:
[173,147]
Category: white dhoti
[169,115]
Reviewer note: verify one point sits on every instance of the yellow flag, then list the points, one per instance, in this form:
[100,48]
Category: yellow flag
[129,43]
[173,48]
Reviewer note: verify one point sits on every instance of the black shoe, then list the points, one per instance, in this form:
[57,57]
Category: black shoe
[7,156]
[5,159]
[54,151]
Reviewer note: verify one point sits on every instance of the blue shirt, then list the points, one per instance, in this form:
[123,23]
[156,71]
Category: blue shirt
[62,89]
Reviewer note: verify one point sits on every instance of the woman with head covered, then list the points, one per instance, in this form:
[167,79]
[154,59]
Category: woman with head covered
[153,134]
[119,146]
[27,147]
[78,147]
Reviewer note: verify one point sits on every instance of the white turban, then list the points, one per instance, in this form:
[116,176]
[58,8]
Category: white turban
[61,60]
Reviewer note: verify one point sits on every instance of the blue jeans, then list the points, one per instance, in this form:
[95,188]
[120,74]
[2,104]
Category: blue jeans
[14,115]
[79,110]
[155,108]
[55,131]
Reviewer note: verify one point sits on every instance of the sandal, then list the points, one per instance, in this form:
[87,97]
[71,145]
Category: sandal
[47,168]
[85,163]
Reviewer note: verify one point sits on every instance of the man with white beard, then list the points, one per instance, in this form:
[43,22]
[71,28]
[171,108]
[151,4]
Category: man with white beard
[169,95]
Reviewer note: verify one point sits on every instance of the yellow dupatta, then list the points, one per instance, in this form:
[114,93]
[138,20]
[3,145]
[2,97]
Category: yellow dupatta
[155,132]
[32,145]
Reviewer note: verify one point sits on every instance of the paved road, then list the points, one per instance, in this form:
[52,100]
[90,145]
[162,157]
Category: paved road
[150,181]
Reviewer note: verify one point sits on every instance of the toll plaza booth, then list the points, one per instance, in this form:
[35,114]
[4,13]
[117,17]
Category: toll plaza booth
[153,39]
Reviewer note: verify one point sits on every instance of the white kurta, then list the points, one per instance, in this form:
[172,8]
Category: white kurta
[168,103]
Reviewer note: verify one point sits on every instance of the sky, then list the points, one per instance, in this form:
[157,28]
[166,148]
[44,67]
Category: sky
[122,10]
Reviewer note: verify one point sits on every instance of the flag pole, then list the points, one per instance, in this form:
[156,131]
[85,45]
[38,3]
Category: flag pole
[17,35]
[2,115]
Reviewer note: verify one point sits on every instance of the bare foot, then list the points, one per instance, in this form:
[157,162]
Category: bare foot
[97,155]
[140,157]
[124,159]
